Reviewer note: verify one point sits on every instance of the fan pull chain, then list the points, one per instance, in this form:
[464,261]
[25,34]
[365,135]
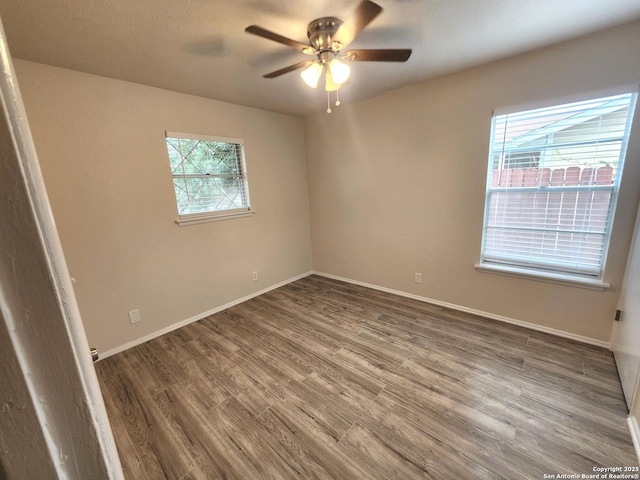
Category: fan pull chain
[329,100]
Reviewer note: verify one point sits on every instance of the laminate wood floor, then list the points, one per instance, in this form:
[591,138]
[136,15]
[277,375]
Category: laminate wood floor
[323,379]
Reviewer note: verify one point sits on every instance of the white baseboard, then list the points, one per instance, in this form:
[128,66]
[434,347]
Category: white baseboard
[493,316]
[513,321]
[635,434]
[195,318]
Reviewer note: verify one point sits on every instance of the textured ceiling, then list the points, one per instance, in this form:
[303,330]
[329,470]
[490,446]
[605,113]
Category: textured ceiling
[200,47]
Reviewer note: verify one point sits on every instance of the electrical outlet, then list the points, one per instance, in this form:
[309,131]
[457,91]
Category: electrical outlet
[134,316]
[254,276]
[418,278]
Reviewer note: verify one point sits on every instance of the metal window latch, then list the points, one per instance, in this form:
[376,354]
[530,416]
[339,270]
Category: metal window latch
[94,354]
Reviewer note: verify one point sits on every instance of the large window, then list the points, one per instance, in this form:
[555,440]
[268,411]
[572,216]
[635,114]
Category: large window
[552,186]
[209,176]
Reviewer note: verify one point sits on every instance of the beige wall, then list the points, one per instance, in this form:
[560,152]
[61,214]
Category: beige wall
[101,146]
[397,183]
[396,186]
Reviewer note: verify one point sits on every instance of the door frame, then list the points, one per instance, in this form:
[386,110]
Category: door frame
[53,421]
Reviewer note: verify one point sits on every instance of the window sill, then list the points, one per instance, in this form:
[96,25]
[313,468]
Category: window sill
[213,217]
[540,276]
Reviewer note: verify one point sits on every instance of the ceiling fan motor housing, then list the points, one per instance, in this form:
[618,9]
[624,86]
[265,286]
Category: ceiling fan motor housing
[320,33]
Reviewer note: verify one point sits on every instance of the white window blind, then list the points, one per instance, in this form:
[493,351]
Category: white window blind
[552,185]
[209,174]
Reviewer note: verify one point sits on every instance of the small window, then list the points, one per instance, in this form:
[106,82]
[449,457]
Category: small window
[552,187]
[209,177]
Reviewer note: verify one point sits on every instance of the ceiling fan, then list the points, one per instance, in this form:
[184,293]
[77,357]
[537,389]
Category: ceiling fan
[328,36]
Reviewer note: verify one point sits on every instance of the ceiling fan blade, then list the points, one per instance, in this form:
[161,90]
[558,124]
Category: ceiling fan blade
[379,55]
[288,69]
[363,16]
[269,35]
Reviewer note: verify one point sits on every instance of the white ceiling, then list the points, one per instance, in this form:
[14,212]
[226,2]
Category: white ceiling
[200,47]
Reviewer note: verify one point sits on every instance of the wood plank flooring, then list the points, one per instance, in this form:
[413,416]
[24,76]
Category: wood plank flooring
[323,379]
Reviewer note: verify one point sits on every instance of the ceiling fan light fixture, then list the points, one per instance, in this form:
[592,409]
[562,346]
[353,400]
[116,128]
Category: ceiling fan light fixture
[327,37]
[311,74]
[340,71]
[329,83]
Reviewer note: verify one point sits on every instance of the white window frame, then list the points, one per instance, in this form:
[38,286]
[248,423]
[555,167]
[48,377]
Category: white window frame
[221,214]
[554,274]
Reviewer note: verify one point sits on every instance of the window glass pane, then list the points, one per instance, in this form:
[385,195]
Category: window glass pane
[208,175]
[552,186]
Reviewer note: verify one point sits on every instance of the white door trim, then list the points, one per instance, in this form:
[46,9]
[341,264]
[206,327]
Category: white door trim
[42,332]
